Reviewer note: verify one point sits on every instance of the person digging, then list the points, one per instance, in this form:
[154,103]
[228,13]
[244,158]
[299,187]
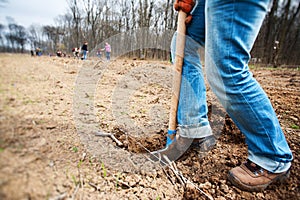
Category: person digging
[228,30]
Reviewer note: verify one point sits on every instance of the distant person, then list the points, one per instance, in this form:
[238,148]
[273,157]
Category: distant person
[38,51]
[58,53]
[84,50]
[32,53]
[99,53]
[107,50]
[75,52]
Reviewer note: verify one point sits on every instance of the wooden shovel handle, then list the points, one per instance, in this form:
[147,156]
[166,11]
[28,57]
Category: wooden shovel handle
[179,55]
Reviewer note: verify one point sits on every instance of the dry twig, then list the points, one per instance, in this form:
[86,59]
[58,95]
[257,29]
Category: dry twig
[75,192]
[94,186]
[59,197]
[181,178]
[103,134]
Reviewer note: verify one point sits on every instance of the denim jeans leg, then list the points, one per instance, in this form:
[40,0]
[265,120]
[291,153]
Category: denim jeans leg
[192,108]
[108,55]
[231,29]
[84,54]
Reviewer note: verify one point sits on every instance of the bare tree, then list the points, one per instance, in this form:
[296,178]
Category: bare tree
[2,27]
[17,36]
[54,35]
[35,36]
[278,39]
[289,16]
[75,11]
[65,23]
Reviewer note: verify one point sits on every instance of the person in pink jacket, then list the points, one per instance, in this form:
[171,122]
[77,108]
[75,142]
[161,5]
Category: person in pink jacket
[107,50]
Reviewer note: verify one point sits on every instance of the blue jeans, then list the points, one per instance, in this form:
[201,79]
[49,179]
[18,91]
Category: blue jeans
[228,30]
[108,55]
[84,54]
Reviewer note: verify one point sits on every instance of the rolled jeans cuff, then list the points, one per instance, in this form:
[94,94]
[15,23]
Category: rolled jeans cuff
[194,131]
[269,164]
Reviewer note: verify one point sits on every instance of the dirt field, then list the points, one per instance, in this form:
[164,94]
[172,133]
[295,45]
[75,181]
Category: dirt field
[51,108]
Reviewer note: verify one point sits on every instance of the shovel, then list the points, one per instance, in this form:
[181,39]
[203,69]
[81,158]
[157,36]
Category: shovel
[174,149]
[179,55]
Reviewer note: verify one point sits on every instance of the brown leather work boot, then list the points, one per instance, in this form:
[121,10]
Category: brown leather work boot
[253,178]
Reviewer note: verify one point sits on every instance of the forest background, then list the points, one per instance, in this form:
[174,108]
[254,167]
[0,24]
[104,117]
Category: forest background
[95,21]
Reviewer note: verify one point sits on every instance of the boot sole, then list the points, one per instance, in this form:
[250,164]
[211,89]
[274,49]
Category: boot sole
[257,188]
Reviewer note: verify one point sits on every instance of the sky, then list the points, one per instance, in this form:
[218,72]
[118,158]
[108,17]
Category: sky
[28,12]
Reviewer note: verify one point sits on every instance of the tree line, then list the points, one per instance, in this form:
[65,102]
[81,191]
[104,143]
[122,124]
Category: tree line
[96,21]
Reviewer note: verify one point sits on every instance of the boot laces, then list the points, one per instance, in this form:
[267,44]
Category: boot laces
[254,168]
